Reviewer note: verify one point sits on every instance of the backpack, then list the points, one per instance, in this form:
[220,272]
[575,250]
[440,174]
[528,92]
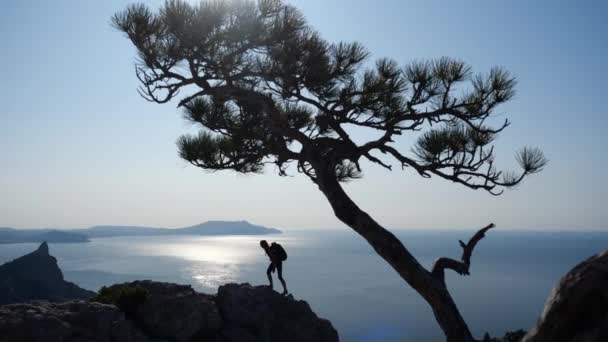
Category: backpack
[279,251]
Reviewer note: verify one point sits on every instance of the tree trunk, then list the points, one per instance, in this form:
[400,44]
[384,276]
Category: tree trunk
[431,288]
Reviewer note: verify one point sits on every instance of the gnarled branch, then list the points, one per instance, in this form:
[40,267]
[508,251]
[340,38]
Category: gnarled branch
[460,266]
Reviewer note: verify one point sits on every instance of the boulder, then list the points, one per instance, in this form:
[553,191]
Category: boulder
[175,312]
[75,321]
[577,308]
[257,313]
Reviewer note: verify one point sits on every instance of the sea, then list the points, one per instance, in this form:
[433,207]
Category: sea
[342,278]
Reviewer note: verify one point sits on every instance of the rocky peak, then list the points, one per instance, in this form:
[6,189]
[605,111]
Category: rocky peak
[43,249]
[36,276]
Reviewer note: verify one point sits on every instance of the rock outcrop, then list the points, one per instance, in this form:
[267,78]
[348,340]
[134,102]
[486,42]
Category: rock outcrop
[168,312]
[174,312]
[36,276]
[577,309]
[260,314]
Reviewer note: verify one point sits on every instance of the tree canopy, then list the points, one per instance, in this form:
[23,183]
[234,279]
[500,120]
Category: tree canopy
[266,88]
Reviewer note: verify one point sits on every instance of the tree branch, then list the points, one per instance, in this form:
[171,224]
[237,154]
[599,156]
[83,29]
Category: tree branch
[461,267]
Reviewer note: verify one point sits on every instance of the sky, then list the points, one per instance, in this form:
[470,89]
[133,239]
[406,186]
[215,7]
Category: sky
[79,147]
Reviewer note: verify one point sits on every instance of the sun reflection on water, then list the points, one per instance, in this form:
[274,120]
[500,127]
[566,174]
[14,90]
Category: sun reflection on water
[206,262]
[232,249]
[210,261]
[213,275]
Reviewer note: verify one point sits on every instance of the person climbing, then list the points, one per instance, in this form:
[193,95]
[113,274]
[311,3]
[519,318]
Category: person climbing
[277,255]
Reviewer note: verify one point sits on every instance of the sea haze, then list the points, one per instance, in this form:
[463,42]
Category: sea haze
[342,278]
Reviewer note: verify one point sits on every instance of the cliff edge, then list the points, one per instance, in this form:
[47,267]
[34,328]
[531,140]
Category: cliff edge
[146,311]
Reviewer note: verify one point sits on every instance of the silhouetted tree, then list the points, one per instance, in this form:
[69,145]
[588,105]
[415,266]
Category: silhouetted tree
[266,88]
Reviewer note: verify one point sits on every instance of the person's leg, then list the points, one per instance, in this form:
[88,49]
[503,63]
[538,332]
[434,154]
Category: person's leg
[280,275]
[269,274]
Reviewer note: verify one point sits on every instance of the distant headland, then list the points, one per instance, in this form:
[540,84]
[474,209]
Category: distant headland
[209,228]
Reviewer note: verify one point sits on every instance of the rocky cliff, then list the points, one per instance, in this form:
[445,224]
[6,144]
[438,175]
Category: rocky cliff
[36,276]
[153,311]
[144,311]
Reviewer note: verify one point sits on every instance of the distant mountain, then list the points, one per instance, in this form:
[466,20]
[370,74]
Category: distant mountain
[36,276]
[10,235]
[207,228]
[227,228]
[108,231]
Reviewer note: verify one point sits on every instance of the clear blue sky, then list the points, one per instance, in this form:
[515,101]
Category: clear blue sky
[79,147]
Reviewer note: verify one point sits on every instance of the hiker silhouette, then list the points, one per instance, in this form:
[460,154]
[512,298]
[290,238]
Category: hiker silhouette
[277,255]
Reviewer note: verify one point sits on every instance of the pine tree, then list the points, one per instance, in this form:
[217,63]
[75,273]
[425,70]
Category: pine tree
[265,88]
